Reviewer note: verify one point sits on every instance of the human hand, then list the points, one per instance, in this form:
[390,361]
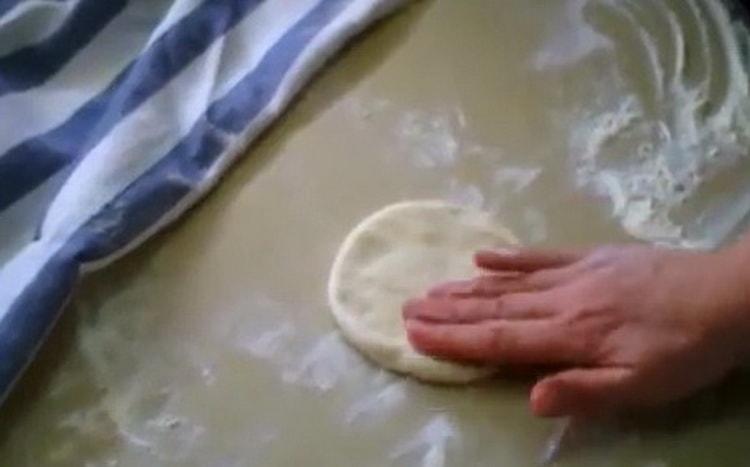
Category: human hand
[628,326]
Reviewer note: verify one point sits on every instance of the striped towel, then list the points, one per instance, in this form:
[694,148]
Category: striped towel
[117,115]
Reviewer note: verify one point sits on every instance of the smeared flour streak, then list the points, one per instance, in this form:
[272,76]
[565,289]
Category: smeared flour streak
[667,173]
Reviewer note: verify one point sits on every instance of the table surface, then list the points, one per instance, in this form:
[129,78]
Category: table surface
[212,345]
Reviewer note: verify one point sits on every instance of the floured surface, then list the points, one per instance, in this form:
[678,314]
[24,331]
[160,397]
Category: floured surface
[214,344]
[396,254]
[669,145]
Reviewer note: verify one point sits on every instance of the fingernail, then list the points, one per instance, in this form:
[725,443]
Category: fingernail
[542,401]
[536,400]
[505,251]
[490,254]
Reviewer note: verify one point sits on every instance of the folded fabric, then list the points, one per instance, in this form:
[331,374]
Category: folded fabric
[116,116]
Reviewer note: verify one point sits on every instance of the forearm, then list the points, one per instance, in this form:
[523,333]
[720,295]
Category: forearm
[737,260]
[733,272]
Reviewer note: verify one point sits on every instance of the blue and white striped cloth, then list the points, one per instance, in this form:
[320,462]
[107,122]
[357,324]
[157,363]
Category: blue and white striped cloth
[117,115]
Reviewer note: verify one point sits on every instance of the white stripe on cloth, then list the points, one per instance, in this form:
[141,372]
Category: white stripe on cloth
[137,143]
[359,15]
[122,157]
[102,175]
[90,71]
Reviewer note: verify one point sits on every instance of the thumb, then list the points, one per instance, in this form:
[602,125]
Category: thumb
[581,392]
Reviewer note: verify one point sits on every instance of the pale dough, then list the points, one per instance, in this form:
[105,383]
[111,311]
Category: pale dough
[398,253]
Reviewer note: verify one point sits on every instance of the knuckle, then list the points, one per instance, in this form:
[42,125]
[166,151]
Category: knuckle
[496,343]
[587,318]
[501,340]
[583,343]
[606,254]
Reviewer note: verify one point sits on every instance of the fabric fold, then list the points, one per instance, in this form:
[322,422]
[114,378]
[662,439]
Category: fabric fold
[156,156]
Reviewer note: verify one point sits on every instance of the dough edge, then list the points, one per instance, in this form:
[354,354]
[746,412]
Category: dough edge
[390,353]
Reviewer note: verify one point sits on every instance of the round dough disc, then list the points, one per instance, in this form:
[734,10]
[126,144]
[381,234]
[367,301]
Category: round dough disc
[396,254]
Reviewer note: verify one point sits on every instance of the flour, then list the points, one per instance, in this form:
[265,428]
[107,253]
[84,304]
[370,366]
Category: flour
[323,366]
[379,405]
[465,194]
[660,155]
[431,442]
[571,41]
[515,179]
[430,139]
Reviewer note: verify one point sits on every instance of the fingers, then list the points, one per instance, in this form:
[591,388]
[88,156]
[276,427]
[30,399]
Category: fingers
[582,392]
[457,310]
[491,342]
[526,260]
[490,285]
[493,285]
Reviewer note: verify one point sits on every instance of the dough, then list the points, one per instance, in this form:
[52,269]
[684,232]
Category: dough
[398,253]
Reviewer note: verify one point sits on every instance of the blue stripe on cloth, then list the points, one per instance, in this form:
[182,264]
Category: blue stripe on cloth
[33,65]
[29,164]
[152,196]
[26,328]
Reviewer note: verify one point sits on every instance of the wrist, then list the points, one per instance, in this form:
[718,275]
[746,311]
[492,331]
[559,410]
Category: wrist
[737,259]
[734,279]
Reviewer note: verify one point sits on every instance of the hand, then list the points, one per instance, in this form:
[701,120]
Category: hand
[630,326]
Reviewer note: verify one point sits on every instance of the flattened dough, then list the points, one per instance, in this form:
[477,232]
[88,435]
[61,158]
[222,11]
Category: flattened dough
[398,253]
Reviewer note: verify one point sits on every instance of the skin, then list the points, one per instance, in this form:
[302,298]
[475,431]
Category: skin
[626,327]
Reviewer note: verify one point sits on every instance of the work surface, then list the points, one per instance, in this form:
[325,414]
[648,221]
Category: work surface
[576,121]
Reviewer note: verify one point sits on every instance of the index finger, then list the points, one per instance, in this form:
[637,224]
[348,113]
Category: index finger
[493,342]
[527,260]
[515,306]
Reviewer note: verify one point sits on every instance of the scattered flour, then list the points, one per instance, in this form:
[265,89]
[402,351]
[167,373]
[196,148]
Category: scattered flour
[572,40]
[430,443]
[464,194]
[429,138]
[382,403]
[662,168]
[515,179]
[323,365]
